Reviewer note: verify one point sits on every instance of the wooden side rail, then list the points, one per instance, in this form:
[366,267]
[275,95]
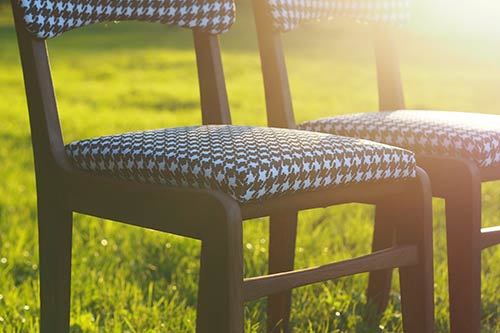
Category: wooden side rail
[397,256]
[490,237]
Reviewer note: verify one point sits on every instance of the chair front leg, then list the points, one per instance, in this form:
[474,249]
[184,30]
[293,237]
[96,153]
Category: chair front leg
[282,232]
[220,295]
[417,282]
[463,229]
[55,225]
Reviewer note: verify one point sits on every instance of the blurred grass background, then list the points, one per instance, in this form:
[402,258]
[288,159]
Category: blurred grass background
[122,77]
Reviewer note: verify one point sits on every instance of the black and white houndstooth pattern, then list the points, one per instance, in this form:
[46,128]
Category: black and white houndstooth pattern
[248,163]
[289,14]
[49,18]
[472,136]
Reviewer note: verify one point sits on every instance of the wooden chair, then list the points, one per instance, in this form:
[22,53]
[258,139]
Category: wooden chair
[153,179]
[459,151]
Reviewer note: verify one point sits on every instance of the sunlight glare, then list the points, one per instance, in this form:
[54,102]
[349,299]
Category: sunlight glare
[467,16]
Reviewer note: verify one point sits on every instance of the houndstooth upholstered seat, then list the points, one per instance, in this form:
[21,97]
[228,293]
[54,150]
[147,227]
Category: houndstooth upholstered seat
[472,136]
[248,163]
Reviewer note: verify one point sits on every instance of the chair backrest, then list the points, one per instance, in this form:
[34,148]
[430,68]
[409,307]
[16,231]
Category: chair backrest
[289,14]
[274,17]
[38,20]
[49,18]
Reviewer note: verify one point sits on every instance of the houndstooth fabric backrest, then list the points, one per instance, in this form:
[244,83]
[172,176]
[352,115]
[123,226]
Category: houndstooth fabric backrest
[289,14]
[50,18]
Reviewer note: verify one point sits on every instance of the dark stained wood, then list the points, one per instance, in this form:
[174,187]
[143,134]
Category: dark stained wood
[490,173]
[220,295]
[490,237]
[54,236]
[459,183]
[390,87]
[217,219]
[399,256]
[46,132]
[278,99]
[379,283]
[369,193]
[152,206]
[417,281]
[213,95]
[463,229]
[446,173]
[282,235]
[280,114]
[63,189]
[54,218]
[460,186]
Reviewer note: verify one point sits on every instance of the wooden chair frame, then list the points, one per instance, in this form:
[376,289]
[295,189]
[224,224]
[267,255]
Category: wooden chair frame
[457,180]
[283,228]
[63,189]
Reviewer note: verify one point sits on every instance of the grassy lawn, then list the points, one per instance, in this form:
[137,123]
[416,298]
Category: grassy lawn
[123,77]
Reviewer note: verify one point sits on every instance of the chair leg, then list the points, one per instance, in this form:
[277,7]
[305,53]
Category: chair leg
[283,231]
[417,282]
[379,283]
[463,228]
[220,295]
[55,238]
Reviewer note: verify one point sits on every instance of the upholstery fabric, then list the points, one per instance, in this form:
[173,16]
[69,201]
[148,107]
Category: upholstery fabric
[248,163]
[49,18]
[467,135]
[289,14]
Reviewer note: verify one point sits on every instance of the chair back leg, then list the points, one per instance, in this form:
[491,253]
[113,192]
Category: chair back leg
[379,283]
[282,233]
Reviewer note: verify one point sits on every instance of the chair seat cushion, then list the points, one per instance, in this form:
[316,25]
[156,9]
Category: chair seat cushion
[248,163]
[468,135]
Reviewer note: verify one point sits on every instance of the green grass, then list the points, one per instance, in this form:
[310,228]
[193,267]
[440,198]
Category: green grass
[123,77]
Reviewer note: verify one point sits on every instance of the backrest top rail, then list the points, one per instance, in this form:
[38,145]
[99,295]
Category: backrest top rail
[46,19]
[287,15]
